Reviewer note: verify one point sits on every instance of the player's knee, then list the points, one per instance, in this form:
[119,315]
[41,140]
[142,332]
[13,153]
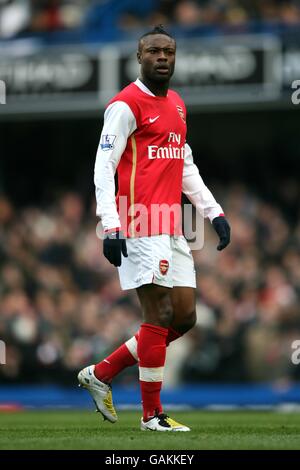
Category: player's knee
[165,316]
[165,311]
[162,316]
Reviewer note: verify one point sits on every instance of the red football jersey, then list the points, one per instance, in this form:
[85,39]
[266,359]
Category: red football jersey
[151,166]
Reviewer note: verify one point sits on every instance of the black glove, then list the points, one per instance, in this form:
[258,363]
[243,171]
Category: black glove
[114,244]
[222,228]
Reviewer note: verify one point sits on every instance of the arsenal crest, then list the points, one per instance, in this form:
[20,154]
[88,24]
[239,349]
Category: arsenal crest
[181,112]
[163,266]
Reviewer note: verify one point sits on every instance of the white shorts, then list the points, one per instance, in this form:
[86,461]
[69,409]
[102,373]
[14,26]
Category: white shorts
[160,259]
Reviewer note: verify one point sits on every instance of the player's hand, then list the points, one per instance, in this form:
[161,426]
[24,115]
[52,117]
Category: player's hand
[114,244]
[222,228]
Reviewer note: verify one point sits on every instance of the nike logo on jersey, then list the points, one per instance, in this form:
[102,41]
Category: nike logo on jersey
[151,120]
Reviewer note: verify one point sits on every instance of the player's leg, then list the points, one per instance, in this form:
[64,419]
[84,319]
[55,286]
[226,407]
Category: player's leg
[97,379]
[183,304]
[151,349]
[125,356]
[183,301]
[184,309]
[140,268]
[136,270]
[183,295]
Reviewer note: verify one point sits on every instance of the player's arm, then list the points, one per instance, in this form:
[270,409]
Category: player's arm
[119,123]
[200,196]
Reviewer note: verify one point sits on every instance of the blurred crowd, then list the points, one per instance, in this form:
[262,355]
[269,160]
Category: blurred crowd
[61,306]
[38,16]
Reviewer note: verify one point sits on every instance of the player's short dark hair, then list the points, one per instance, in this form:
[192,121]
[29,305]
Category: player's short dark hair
[158,29]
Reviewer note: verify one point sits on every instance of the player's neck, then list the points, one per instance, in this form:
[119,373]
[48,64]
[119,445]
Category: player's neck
[158,89]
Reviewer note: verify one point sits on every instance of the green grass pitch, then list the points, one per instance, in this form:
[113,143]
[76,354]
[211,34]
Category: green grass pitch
[210,430]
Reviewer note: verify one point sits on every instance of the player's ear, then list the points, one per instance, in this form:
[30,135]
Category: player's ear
[138,55]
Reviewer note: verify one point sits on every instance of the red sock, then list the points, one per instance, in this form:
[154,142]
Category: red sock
[113,364]
[124,356]
[132,342]
[152,355]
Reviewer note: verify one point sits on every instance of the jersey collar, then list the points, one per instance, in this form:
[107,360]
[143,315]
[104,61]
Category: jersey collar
[143,87]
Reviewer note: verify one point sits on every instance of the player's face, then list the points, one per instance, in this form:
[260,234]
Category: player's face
[157,57]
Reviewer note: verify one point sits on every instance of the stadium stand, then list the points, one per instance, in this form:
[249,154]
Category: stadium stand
[110,20]
[61,305]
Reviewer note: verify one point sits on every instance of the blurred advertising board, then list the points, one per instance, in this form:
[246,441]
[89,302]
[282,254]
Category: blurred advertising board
[220,71]
[48,80]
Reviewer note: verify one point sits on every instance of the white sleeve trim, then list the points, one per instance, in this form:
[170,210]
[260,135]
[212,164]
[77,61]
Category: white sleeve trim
[119,124]
[196,191]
